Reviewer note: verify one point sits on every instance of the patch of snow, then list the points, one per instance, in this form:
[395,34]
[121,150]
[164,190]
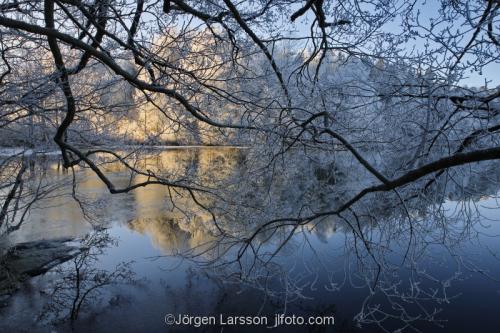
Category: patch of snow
[8,151]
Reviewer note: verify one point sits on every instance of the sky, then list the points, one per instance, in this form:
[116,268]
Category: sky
[429,9]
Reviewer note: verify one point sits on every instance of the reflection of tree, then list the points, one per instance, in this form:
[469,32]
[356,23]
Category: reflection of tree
[24,186]
[190,297]
[406,254]
[173,234]
[80,283]
[35,187]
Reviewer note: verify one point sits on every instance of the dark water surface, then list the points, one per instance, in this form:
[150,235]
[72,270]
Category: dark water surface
[132,270]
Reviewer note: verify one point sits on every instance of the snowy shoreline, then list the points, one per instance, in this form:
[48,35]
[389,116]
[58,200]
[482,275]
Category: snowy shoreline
[12,151]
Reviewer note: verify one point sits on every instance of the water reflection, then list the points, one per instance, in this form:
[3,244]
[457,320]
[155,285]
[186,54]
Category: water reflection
[172,235]
[58,215]
[386,264]
[81,285]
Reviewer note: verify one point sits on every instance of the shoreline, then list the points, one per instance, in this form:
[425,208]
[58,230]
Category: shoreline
[11,151]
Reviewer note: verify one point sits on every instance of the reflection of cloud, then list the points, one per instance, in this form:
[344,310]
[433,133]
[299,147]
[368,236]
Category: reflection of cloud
[171,234]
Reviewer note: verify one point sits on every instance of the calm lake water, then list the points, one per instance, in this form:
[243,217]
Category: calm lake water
[151,252]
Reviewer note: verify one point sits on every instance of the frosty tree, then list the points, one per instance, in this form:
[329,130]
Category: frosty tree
[369,103]
[377,79]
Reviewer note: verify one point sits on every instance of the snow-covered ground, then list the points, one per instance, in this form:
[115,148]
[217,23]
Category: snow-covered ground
[9,151]
[12,151]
